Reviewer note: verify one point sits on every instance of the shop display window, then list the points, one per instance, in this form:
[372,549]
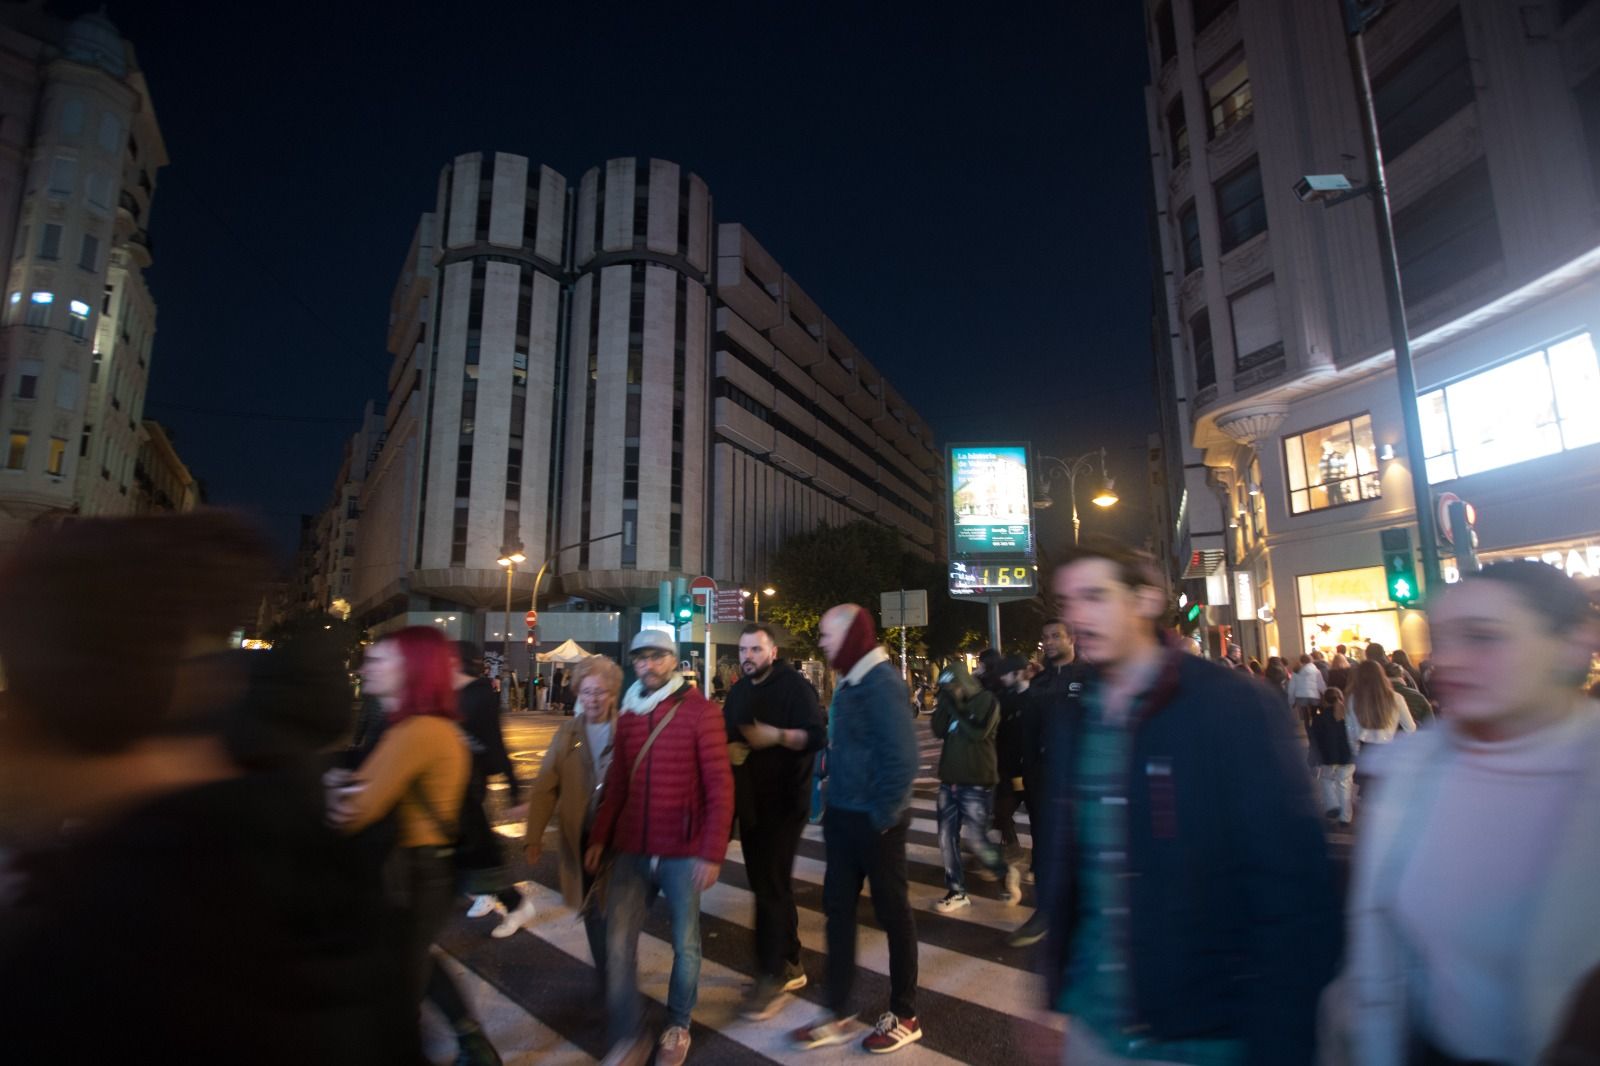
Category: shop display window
[1332,465]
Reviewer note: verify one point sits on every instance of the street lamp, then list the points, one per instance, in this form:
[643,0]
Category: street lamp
[1105,495]
[768,592]
[510,556]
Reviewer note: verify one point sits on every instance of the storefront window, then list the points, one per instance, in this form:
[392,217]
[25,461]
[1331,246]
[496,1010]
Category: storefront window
[1332,465]
[1349,607]
[1535,405]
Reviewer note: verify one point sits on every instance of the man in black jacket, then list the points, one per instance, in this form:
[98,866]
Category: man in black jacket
[1192,908]
[775,729]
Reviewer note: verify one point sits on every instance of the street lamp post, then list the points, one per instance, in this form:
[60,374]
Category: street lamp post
[768,592]
[510,556]
[1071,467]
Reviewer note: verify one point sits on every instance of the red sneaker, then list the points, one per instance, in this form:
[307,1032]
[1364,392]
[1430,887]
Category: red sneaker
[892,1034]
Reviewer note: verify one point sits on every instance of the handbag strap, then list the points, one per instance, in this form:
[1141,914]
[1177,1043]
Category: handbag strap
[651,739]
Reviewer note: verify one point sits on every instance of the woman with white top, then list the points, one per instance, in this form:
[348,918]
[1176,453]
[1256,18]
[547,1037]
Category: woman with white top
[1374,711]
[1473,924]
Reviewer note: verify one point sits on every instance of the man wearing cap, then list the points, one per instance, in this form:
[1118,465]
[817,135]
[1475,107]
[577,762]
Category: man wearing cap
[872,763]
[664,818]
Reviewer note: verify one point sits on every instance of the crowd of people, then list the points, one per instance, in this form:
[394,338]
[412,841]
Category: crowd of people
[281,867]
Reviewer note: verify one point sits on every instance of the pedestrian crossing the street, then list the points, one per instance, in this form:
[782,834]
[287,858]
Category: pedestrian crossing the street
[977,997]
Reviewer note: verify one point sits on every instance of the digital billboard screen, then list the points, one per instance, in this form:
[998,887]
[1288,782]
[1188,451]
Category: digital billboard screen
[990,503]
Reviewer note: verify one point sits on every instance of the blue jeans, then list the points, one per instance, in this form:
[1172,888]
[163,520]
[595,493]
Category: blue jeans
[958,806]
[635,880]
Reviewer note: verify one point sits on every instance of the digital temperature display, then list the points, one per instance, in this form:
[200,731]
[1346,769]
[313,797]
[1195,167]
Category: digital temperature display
[982,579]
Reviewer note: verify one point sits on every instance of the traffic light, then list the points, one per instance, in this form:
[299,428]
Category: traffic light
[1399,566]
[1194,613]
[685,609]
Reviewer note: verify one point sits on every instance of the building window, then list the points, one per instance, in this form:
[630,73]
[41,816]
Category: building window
[63,176]
[98,187]
[1177,133]
[1228,94]
[20,248]
[17,453]
[58,455]
[110,132]
[1349,607]
[1166,34]
[28,371]
[89,256]
[1448,235]
[1207,11]
[39,308]
[50,241]
[1424,89]
[1189,231]
[1537,404]
[1257,336]
[78,319]
[1332,465]
[1205,363]
[1241,210]
[72,118]
[67,390]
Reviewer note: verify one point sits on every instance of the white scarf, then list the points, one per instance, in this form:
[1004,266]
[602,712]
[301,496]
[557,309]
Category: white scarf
[638,701]
[864,665]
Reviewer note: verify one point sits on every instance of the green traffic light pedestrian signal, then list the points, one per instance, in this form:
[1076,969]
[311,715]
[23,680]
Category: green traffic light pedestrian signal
[685,608]
[1399,567]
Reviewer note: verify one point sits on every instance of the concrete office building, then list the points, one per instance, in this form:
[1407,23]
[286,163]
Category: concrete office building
[605,358]
[79,151]
[1281,366]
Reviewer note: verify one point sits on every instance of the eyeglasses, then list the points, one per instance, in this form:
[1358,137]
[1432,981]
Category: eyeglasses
[650,653]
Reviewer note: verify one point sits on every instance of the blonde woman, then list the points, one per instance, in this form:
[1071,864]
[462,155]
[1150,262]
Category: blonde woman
[1375,711]
[569,783]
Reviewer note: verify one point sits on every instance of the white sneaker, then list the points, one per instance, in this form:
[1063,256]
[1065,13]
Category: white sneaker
[952,901]
[482,905]
[515,920]
[1013,884]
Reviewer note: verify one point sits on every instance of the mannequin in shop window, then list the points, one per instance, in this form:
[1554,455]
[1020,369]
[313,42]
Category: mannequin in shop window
[1333,469]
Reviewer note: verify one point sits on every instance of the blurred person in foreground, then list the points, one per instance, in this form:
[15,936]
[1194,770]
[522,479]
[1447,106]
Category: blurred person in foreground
[419,771]
[773,715]
[480,855]
[1193,916]
[872,765]
[180,890]
[568,789]
[1473,917]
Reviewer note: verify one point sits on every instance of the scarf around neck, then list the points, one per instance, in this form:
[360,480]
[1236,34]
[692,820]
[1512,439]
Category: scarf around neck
[637,701]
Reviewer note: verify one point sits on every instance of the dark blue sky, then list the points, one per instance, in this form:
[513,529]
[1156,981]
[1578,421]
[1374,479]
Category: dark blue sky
[965,195]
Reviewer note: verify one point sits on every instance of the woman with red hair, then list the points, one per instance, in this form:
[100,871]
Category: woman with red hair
[419,770]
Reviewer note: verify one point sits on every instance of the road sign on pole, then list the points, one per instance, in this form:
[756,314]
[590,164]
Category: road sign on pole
[730,605]
[531,619]
[904,608]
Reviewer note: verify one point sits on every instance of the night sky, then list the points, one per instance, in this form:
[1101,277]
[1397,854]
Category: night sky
[966,197]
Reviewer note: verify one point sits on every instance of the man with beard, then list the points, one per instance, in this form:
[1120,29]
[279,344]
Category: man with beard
[775,729]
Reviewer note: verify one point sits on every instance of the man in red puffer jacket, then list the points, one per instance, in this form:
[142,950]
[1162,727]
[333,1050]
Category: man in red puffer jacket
[664,817]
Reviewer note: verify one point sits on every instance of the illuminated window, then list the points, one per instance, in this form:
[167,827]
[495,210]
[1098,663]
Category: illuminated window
[78,319]
[17,452]
[1537,404]
[1228,94]
[58,455]
[1349,607]
[39,308]
[1331,465]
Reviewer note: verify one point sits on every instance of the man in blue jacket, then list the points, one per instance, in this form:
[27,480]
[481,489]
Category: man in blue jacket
[872,763]
[1192,908]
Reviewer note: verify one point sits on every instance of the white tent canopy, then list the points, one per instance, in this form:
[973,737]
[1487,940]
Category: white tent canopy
[569,651]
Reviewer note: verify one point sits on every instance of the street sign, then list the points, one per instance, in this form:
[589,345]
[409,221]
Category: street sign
[906,607]
[701,586]
[530,619]
[729,605]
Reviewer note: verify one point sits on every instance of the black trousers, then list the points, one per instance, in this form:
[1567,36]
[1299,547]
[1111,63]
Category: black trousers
[425,886]
[769,849]
[1007,801]
[856,852]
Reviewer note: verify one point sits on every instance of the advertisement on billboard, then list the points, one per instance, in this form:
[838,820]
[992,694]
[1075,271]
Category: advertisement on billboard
[990,502]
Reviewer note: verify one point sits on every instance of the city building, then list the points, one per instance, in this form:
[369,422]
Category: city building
[162,483]
[604,368]
[1282,377]
[79,152]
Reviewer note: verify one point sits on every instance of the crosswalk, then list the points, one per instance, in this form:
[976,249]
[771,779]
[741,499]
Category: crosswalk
[977,997]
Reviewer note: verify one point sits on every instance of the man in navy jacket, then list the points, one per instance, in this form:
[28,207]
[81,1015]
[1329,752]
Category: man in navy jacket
[872,764]
[1193,911]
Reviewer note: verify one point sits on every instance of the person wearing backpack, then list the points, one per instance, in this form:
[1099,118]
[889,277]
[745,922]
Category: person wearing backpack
[665,814]
[419,771]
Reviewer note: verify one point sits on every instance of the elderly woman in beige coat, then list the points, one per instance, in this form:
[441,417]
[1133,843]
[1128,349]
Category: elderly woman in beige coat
[568,786]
